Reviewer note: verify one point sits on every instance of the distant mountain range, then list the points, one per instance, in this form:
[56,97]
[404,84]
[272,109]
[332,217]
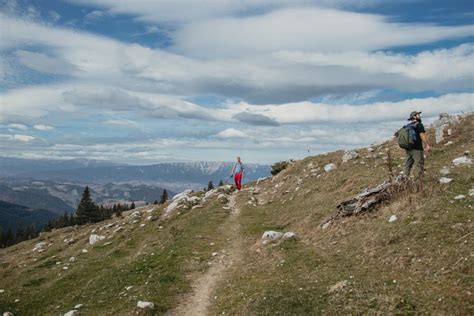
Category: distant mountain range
[13,216]
[175,176]
[60,197]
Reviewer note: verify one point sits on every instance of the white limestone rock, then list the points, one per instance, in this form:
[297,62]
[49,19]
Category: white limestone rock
[95,238]
[145,305]
[349,155]
[444,180]
[330,167]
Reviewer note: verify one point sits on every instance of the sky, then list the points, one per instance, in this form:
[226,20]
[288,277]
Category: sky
[143,82]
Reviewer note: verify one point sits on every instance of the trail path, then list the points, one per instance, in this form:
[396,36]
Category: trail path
[199,301]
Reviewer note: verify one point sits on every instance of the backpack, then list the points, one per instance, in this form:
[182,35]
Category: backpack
[406,136]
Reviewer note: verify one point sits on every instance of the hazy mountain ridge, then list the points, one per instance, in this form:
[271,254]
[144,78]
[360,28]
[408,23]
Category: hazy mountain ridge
[177,176]
[14,216]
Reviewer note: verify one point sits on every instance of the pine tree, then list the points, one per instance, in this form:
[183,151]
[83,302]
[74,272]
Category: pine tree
[210,186]
[155,202]
[164,197]
[87,211]
[221,183]
[132,206]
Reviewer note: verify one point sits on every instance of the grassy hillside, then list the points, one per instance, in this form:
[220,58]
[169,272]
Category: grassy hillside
[421,263]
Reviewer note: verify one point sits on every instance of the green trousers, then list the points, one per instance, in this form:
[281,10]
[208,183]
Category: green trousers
[416,160]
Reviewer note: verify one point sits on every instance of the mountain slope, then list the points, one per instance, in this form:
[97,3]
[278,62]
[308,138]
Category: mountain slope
[420,263]
[175,176]
[14,216]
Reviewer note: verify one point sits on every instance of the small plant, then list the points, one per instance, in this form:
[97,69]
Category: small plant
[278,167]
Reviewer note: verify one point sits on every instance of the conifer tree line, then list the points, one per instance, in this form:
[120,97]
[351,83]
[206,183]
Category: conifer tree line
[87,212]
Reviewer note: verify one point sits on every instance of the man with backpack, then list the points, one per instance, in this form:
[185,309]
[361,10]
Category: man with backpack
[238,173]
[411,137]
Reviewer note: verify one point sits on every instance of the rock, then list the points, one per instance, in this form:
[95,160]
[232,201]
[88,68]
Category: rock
[444,180]
[445,171]
[272,235]
[326,225]
[222,198]
[370,149]
[441,124]
[330,167]
[78,306]
[289,235]
[339,286]
[261,179]
[392,219]
[471,192]
[85,251]
[2,291]
[462,161]
[72,259]
[8,314]
[145,305]
[349,155]
[460,197]
[95,238]
[39,246]
[448,143]
[215,254]
[71,313]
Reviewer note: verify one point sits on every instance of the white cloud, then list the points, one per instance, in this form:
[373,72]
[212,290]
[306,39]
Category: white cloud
[18,126]
[42,127]
[231,133]
[23,138]
[305,29]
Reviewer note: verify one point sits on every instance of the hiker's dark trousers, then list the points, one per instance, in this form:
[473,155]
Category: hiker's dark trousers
[416,160]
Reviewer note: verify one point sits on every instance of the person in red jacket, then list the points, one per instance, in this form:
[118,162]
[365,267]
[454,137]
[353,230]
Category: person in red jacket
[238,172]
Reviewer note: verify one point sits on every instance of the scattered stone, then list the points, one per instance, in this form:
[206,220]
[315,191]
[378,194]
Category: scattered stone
[72,312]
[339,286]
[78,306]
[72,259]
[444,180]
[392,219]
[330,167]
[128,288]
[289,235]
[222,198]
[370,149]
[471,192]
[65,268]
[460,197]
[142,225]
[272,235]
[349,155]
[326,225]
[145,305]
[95,238]
[8,314]
[2,291]
[448,143]
[85,251]
[39,247]
[445,171]
[464,160]
[215,254]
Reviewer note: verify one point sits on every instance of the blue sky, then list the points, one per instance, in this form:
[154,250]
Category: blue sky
[143,81]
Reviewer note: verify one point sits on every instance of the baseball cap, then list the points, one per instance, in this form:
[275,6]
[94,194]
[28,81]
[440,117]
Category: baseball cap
[412,114]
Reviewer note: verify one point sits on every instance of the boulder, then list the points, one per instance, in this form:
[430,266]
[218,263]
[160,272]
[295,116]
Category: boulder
[349,155]
[330,167]
[471,192]
[442,124]
[222,198]
[95,238]
[71,313]
[272,235]
[462,161]
[392,219]
[460,197]
[145,305]
[444,180]
[8,314]
[78,306]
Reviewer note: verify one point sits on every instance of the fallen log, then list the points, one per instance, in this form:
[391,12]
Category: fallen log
[370,198]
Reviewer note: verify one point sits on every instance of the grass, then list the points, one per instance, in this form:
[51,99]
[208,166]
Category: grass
[420,264]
